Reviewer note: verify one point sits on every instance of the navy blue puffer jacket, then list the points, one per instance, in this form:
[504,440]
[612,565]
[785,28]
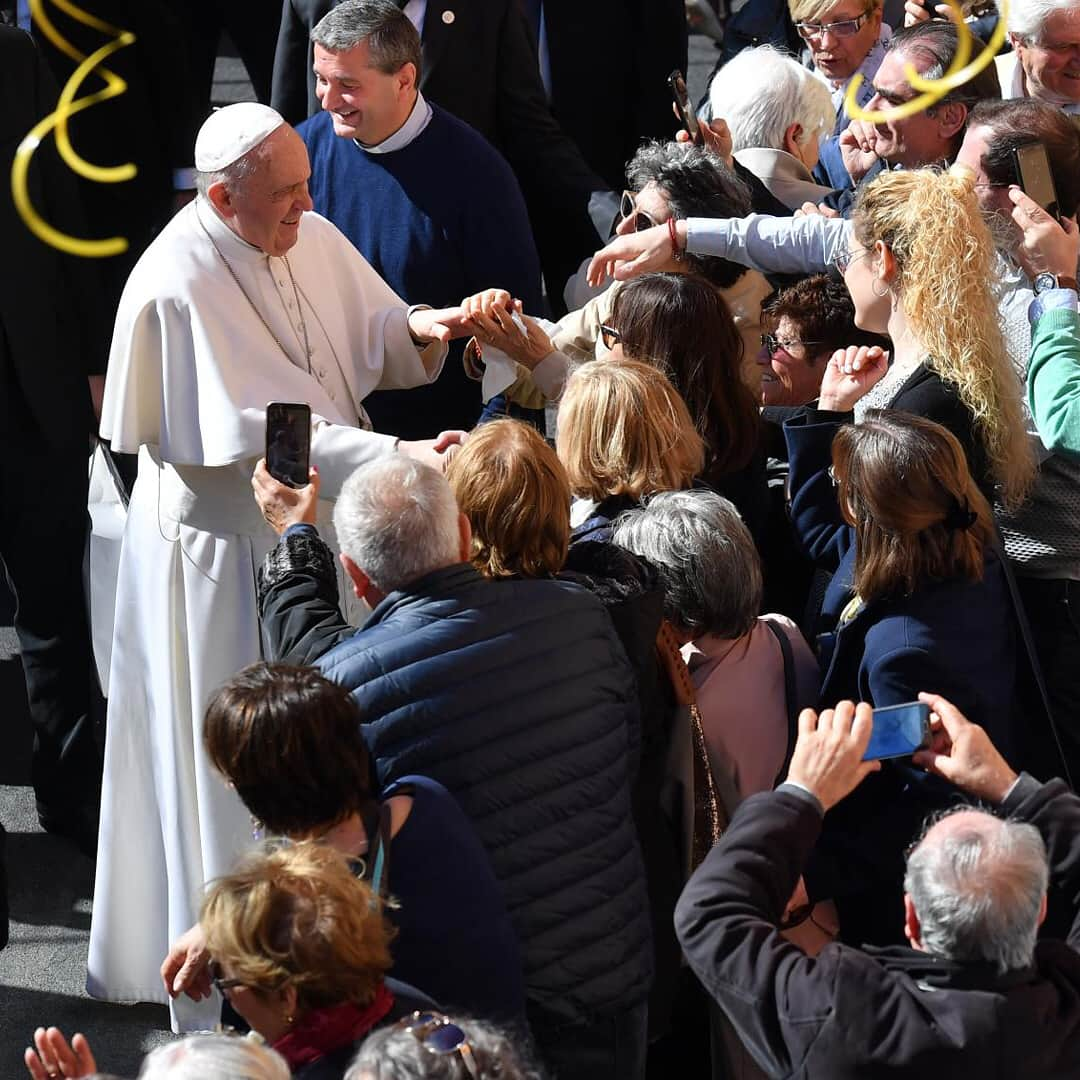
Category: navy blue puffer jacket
[517,697]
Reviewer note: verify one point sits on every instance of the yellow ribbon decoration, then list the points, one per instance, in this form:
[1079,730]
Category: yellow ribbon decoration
[67,106]
[933,90]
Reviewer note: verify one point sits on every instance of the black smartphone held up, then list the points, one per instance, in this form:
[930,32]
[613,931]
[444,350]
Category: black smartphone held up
[288,442]
[899,730]
[1033,174]
[682,105]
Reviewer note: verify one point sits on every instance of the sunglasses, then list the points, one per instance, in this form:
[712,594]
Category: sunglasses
[609,336]
[842,29]
[628,209]
[772,344]
[440,1035]
[843,259]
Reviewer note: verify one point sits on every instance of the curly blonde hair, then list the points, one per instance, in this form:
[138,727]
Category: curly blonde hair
[945,261]
[296,915]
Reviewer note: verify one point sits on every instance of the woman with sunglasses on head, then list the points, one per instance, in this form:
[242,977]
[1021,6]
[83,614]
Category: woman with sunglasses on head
[288,741]
[433,1046]
[301,951]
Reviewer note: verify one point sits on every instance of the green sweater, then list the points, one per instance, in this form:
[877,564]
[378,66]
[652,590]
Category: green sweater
[1053,380]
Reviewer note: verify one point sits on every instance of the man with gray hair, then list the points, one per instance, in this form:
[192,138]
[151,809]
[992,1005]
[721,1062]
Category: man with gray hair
[973,995]
[1045,60]
[777,112]
[516,695]
[379,171]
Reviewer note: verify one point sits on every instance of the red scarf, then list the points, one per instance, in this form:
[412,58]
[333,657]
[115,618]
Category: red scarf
[322,1031]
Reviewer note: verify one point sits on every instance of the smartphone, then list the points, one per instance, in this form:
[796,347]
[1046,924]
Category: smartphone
[1032,167]
[288,442]
[682,105]
[899,730]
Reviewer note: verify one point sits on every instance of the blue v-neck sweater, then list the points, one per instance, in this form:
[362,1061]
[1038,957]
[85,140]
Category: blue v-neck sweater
[439,219]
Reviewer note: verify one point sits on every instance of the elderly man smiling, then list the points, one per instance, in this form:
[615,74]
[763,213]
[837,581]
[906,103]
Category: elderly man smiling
[1045,61]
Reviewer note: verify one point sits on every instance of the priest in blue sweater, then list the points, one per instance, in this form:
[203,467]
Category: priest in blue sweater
[426,199]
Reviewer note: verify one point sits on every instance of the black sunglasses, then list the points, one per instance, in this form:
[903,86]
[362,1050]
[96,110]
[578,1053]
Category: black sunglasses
[771,343]
[609,336]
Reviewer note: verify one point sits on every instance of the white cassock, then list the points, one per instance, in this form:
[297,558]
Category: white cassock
[191,372]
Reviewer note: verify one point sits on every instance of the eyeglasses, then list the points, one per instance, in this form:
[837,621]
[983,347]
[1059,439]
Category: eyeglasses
[628,208]
[222,985]
[833,478]
[843,259]
[609,336]
[440,1035]
[772,344]
[842,29]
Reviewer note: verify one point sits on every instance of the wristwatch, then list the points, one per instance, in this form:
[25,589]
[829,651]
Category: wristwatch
[1045,282]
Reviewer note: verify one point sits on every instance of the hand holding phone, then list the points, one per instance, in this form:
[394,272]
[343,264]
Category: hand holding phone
[288,442]
[681,97]
[898,731]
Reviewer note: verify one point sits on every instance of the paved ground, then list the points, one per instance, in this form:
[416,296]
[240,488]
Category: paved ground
[42,971]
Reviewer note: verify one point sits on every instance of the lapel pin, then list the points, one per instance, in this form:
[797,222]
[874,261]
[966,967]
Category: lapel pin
[448,16]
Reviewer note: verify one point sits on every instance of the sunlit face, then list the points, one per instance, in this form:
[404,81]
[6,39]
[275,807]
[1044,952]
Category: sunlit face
[1051,62]
[916,140]
[265,1011]
[364,103]
[266,207]
[860,276]
[791,373]
[650,200]
[836,57]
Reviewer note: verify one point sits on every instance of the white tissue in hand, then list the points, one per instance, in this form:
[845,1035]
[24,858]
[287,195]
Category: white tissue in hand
[500,371]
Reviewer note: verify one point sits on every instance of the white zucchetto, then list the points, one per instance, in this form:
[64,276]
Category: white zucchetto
[229,133]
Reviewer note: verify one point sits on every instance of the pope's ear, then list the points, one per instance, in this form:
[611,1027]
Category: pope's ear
[220,199]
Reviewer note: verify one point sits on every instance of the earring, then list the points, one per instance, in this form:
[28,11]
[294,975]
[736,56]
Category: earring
[876,293]
[289,1019]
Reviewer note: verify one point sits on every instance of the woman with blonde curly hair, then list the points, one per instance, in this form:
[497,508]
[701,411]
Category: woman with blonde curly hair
[301,950]
[920,267]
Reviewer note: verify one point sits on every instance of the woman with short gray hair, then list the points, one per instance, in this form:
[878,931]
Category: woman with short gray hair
[711,575]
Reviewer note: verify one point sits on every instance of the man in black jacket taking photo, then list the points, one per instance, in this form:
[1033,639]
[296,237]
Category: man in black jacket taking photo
[974,995]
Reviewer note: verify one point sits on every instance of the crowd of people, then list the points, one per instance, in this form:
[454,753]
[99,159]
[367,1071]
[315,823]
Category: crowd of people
[533,735]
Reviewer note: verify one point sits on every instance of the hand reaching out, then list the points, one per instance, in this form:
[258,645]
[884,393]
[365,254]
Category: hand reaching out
[1047,246]
[51,1056]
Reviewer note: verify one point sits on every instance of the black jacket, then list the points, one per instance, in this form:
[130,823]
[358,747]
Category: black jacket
[518,698]
[878,1012]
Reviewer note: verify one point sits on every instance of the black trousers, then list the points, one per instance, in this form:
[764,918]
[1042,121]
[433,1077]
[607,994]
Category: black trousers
[608,1048]
[42,544]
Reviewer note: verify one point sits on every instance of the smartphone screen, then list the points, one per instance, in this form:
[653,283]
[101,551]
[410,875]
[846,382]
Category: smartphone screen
[288,442]
[899,730]
[1034,176]
[682,104]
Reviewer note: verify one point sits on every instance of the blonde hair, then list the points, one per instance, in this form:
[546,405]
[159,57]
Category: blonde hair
[815,10]
[945,260]
[513,489]
[297,916]
[624,430]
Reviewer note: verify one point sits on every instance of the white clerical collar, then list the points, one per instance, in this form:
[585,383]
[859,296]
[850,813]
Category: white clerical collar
[230,244]
[418,119]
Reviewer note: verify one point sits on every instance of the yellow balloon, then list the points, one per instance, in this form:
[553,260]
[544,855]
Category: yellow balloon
[931,91]
[70,105]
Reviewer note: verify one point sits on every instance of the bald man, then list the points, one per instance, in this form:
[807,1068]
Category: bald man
[972,995]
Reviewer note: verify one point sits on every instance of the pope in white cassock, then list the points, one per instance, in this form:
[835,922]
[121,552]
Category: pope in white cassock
[246,297]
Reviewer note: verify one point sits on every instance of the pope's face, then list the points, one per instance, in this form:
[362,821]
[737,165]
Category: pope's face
[265,208]
[364,103]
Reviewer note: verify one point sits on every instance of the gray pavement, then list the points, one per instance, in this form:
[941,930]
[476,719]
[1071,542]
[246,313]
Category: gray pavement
[43,969]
